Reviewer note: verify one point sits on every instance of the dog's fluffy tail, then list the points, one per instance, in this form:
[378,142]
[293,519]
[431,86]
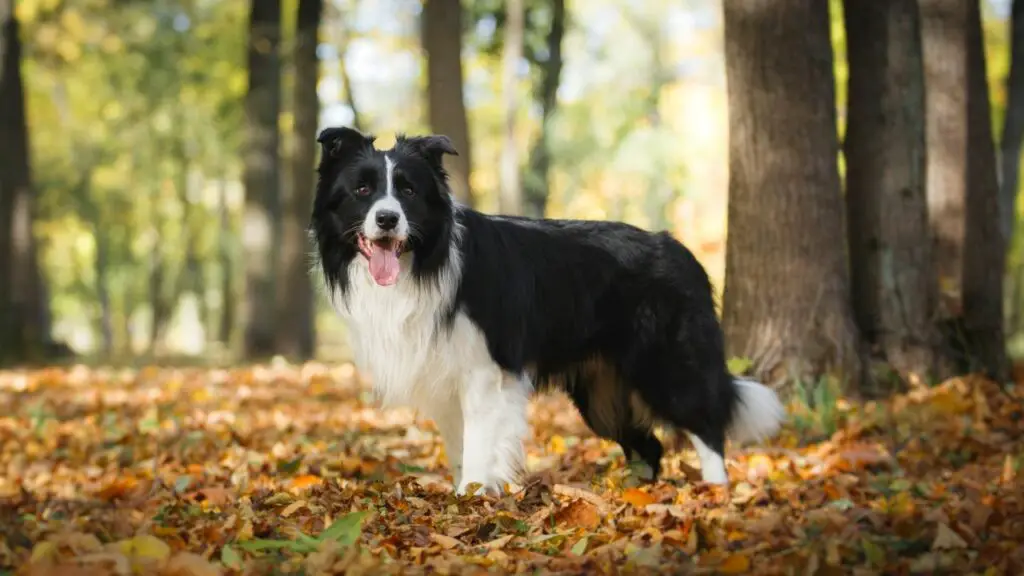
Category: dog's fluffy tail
[758,413]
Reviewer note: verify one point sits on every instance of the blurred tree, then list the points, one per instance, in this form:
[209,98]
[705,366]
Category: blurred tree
[786,300]
[295,326]
[943,38]
[262,173]
[893,284]
[341,35]
[510,197]
[538,177]
[1013,123]
[24,318]
[984,254]
[544,25]
[441,37]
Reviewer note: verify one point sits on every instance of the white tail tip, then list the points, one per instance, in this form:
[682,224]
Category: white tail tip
[758,414]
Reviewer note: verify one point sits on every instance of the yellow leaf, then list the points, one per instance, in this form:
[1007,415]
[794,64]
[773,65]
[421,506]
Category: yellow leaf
[737,564]
[638,497]
[43,551]
[557,445]
[305,481]
[292,508]
[145,546]
[446,542]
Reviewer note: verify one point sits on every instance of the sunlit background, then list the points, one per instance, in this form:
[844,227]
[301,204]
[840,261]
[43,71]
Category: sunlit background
[135,113]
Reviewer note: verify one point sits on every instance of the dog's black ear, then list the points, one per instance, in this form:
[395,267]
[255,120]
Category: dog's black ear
[339,142]
[432,147]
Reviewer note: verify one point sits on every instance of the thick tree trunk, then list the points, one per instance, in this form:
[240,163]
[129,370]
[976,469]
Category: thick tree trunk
[295,323]
[442,43]
[786,301]
[893,282]
[261,178]
[1013,124]
[537,183]
[510,196]
[24,325]
[984,245]
[943,38]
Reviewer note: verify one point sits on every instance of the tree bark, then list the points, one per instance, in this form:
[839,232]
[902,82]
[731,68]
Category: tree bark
[1013,124]
[984,244]
[510,196]
[261,178]
[893,282]
[943,38]
[295,323]
[442,43]
[538,176]
[786,301]
[227,268]
[24,325]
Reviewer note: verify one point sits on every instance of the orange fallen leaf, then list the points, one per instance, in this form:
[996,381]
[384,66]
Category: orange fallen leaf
[305,481]
[579,514]
[637,497]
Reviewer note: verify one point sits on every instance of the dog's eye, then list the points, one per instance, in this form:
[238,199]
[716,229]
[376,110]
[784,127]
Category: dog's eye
[362,191]
[408,192]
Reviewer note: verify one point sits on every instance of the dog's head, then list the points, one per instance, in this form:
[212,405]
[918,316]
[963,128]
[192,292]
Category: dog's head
[392,208]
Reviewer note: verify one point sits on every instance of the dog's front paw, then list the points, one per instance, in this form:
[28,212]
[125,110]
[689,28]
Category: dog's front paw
[467,486]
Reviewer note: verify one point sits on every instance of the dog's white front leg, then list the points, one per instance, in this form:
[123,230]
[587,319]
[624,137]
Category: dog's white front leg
[448,418]
[494,411]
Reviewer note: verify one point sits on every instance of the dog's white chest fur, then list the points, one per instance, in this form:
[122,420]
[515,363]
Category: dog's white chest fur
[446,373]
[397,339]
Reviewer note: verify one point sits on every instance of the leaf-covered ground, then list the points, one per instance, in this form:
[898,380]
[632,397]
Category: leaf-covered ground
[287,469]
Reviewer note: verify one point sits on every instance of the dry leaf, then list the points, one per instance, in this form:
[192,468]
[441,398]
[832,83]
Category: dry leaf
[579,514]
[947,539]
[637,497]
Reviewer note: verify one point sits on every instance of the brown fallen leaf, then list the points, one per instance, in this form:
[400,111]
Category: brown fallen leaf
[446,542]
[499,543]
[947,539]
[189,564]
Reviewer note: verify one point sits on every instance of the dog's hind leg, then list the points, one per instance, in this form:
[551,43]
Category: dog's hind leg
[605,406]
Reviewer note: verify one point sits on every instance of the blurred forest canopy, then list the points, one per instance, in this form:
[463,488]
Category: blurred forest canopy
[141,153]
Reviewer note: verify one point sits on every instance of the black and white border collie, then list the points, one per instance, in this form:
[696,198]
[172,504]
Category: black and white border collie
[460,315]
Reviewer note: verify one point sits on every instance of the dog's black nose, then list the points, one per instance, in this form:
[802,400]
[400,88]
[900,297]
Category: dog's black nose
[387,219]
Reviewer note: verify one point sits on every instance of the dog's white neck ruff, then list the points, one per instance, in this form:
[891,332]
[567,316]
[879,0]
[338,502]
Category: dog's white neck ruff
[448,375]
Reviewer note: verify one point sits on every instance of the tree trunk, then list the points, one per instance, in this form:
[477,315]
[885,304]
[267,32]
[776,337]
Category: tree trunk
[102,267]
[1013,124]
[984,245]
[943,38]
[510,196]
[227,269]
[261,178]
[786,301]
[538,177]
[442,43]
[892,277]
[24,327]
[295,324]
[339,22]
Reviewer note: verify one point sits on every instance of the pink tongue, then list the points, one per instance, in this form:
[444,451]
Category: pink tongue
[383,265]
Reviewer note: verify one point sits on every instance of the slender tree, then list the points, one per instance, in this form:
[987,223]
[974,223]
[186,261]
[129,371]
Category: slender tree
[984,244]
[510,197]
[442,43]
[296,326]
[1013,123]
[787,295]
[262,107]
[893,282]
[537,182]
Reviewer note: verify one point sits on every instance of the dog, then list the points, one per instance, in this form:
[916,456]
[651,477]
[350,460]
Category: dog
[463,315]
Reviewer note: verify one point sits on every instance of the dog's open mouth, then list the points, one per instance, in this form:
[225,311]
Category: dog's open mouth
[382,255]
